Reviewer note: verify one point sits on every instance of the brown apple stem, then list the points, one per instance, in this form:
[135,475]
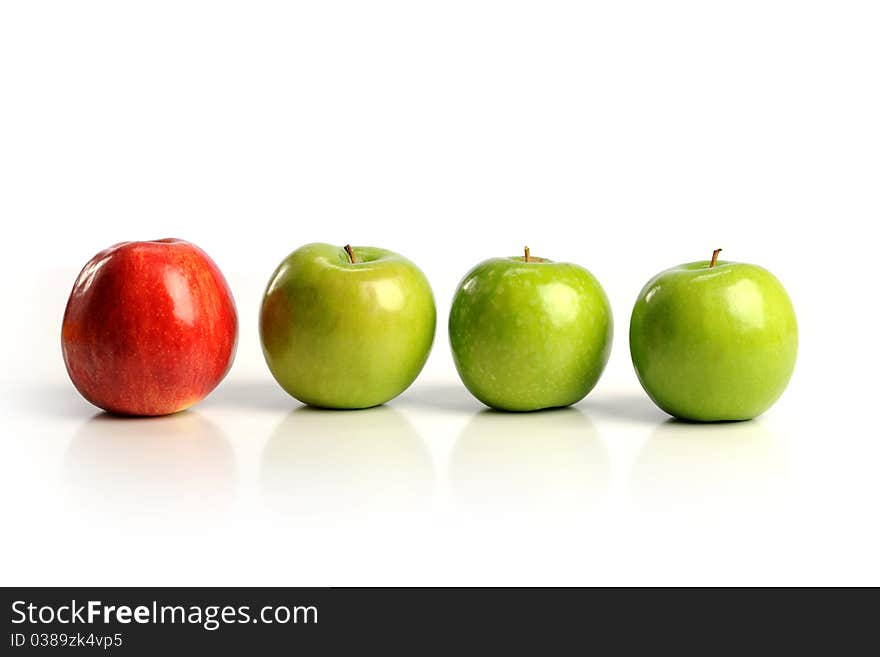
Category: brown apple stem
[350,253]
[527,257]
[714,258]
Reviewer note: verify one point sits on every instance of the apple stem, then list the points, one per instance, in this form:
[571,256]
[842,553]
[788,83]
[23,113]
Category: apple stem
[714,258]
[527,257]
[350,253]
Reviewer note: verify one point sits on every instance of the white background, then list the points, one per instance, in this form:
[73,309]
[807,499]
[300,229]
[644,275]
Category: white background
[624,136]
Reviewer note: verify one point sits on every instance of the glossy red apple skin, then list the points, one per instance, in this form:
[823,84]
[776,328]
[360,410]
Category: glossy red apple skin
[150,328]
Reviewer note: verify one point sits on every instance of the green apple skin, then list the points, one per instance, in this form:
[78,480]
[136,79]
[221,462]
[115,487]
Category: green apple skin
[530,335]
[338,334]
[713,344]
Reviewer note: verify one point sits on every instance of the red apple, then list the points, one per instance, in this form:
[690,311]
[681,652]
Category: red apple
[150,328]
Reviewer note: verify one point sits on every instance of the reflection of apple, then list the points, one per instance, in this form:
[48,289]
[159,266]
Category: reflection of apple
[714,340]
[319,462]
[346,327]
[736,465]
[528,333]
[150,328]
[180,465]
[545,462]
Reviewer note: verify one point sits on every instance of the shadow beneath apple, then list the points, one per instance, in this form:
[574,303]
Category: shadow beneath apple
[707,468]
[546,462]
[176,470]
[263,395]
[61,401]
[326,465]
[444,397]
[632,407]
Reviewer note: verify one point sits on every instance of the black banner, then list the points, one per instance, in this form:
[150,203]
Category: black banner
[411,621]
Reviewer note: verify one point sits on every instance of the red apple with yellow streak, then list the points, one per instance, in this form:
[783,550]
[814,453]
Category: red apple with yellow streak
[150,328]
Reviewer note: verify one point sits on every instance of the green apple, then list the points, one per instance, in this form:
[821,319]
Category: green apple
[528,333]
[346,327]
[714,340]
